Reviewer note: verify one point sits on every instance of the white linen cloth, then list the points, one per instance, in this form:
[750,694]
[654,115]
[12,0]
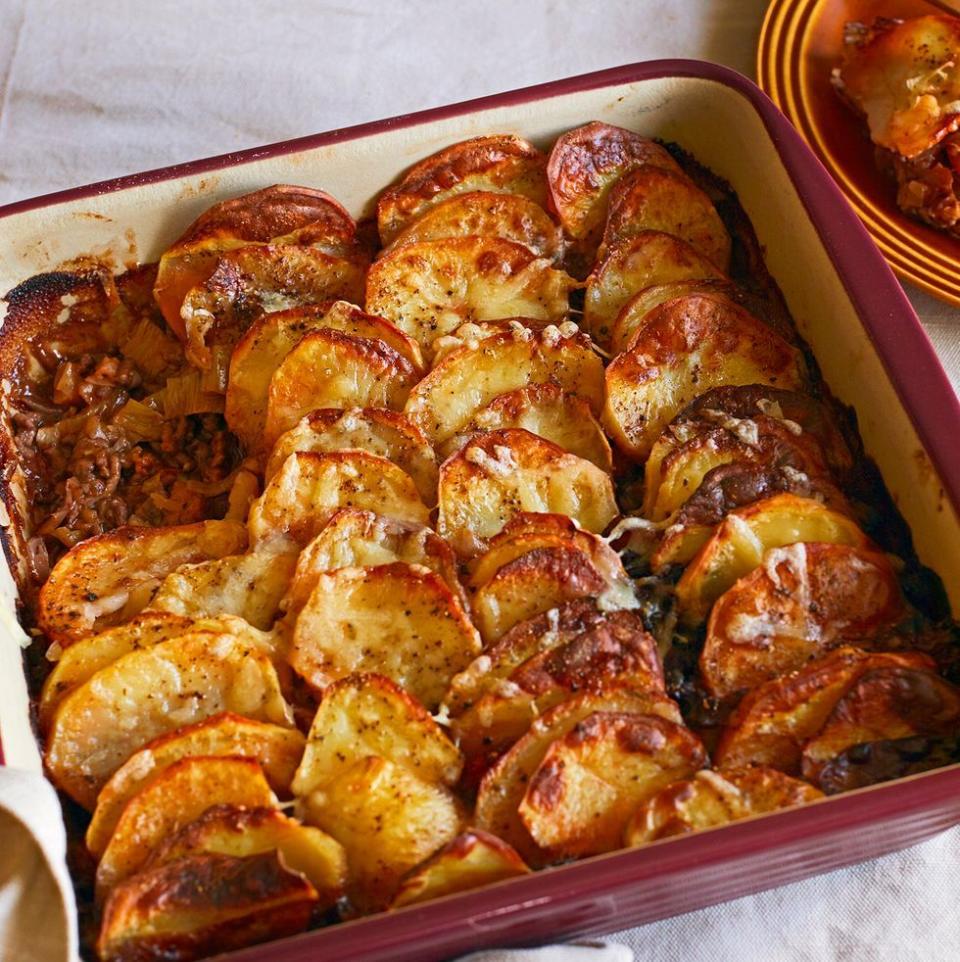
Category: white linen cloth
[94,90]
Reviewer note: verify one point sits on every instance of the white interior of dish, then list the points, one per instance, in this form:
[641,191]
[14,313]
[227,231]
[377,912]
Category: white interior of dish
[715,123]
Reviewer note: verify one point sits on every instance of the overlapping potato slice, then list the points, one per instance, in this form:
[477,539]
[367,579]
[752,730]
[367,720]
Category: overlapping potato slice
[501,473]
[469,378]
[633,264]
[203,905]
[400,620]
[499,163]
[146,693]
[591,780]
[504,785]
[775,720]
[472,859]
[387,820]
[242,832]
[311,487]
[584,165]
[803,600]
[312,217]
[273,336]
[481,213]
[430,288]
[253,280]
[746,535]
[715,798]
[106,580]
[368,714]
[328,369]
[276,748]
[374,430]
[180,794]
[687,346]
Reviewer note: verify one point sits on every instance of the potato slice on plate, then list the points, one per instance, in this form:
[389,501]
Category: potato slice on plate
[431,288]
[242,832]
[741,541]
[276,748]
[146,693]
[388,820]
[273,336]
[310,488]
[253,280]
[803,600]
[203,905]
[715,798]
[499,163]
[504,785]
[501,473]
[654,198]
[367,714]
[257,217]
[545,410]
[172,800]
[471,377]
[584,165]
[474,858]
[374,430]
[688,346]
[328,369]
[632,265]
[775,720]
[108,579]
[399,620]
[485,214]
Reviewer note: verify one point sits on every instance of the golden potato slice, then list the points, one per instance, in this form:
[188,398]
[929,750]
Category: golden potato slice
[481,213]
[273,336]
[242,832]
[277,749]
[500,163]
[203,905]
[367,714]
[545,410]
[249,586]
[250,281]
[715,798]
[802,601]
[99,725]
[257,217]
[633,264]
[172,800]
[388,820]
[584,165]
[501,473]
[471,377]
[688,346]
[431,288]
[108,579]
[741,541]
[775,720]
[581,796]
[474,858]
[361,539]
[374,430]
[328,369]
[310,488]
[504,785]
[399,620]
[654,198]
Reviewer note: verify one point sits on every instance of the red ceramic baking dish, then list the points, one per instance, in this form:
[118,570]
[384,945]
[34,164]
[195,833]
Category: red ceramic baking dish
[848,306]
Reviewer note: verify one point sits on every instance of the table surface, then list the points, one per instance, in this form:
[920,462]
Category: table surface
[93,90]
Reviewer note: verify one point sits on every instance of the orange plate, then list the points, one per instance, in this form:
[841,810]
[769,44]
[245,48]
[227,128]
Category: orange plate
[800,43]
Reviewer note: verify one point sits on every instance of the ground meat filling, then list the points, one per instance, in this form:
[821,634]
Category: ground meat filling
[927,184]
